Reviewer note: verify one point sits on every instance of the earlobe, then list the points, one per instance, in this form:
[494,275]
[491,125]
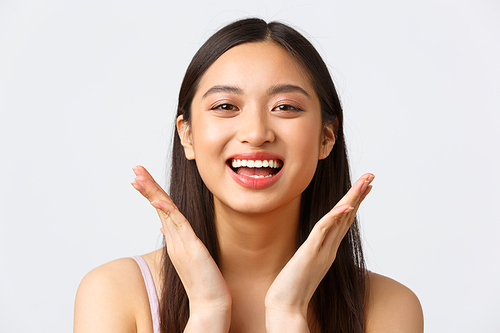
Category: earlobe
[328,140]
[184,132]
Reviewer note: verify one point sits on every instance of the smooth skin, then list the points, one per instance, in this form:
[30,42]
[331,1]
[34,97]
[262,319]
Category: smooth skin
[113,298]
[287,298]
[263,283]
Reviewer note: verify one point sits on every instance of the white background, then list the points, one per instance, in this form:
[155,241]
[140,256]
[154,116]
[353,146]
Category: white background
[88,90]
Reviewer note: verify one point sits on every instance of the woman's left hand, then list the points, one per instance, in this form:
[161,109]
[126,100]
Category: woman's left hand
[288,297]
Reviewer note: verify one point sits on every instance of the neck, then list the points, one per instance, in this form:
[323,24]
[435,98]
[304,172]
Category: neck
[256,246]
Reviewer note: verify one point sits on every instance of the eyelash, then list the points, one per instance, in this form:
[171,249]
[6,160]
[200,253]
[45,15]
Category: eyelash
[288,106]
[282,107]
[225,107]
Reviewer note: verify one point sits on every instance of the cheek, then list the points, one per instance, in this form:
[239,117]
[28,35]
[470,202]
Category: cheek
[306,138]
[208,136]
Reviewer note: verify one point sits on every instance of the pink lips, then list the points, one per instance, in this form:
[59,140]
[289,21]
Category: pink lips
[255,183]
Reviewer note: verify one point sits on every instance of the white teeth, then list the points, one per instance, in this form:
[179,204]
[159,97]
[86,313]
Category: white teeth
[255,176]
[255,163]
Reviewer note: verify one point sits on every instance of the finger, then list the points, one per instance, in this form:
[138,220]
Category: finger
[145,180]
[353,213]
[322,228]
[147,186]
[359,200]
[353,196]
[333,238]
[173,240]
[355,193]
[352,199]
[368,190]
[341,215]
[164,219]
[140,170]
[174,221]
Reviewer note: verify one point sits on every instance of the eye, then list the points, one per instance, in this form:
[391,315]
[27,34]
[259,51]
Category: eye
[225,107]
[286,107]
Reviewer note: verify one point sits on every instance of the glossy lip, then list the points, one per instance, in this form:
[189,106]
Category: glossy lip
[255,183]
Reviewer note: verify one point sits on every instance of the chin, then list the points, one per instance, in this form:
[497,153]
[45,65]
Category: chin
[257,206]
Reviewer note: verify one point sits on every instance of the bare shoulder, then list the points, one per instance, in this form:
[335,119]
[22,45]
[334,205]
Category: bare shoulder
[391,307]
[112,298]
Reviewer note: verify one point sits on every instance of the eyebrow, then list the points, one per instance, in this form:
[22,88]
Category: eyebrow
[286,88]
[277,89]
[226,89]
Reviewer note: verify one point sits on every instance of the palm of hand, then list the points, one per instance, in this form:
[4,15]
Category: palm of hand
[294,286]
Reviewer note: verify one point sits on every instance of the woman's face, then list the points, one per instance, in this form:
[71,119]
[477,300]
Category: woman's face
[256,132]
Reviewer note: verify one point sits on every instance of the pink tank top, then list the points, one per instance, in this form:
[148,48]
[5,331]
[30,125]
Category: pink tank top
[150,287]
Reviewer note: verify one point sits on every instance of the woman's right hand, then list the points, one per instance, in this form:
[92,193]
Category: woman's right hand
[208,293]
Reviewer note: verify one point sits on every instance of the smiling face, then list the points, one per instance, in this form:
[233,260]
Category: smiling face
[255,130]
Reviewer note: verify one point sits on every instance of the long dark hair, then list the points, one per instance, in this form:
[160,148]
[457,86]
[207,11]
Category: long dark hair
[338,302]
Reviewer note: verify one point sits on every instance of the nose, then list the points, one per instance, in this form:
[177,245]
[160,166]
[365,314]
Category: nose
[255,129]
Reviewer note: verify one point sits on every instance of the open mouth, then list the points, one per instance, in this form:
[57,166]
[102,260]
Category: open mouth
[255,168]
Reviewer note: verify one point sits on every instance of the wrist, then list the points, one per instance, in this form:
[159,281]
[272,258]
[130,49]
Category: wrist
[210,320]
[294,321]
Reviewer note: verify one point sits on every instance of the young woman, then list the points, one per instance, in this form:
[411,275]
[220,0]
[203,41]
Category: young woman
[262,236]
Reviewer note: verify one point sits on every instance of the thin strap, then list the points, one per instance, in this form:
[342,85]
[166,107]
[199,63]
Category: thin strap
[150,287]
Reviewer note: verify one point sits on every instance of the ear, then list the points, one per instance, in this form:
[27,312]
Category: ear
[328,142]
[185,136]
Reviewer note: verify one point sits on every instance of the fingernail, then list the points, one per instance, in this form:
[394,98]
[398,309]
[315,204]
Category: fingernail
[156,205]
[137,185]
[140,181]
[365,193]
[348,209]
[365,185]
[367,182]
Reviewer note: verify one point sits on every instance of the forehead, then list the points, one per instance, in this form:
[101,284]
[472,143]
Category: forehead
[254,66]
